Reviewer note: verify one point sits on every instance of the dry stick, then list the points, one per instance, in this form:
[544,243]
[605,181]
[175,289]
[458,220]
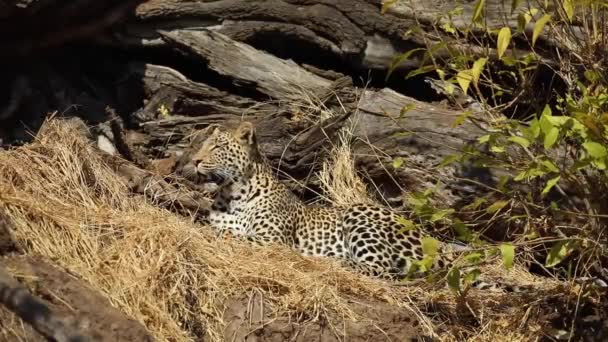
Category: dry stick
[157,188]
[133,168]
[122,145]
[35,312]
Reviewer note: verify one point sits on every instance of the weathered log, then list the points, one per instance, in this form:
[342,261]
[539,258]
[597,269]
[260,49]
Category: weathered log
[31,310]
[354,38]
[178,195]
[353,32]
[58,306]
[381,131]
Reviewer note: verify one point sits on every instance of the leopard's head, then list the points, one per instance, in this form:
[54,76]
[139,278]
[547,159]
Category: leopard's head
[227,154]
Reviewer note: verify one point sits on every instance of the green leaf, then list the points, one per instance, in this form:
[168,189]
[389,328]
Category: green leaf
[458,10]
[484,139]
[448,27]
[507,252]
[520,141]
[546,111]
[472,206]
[521,176]
[599,164]
[539,26]
[478,11]
[559,252]
[502,182]
[462,231]
[449,160]
[595,150]
[514,5]
[415,201]
[441,74]
[550,184]
[551,137]
[496,206]
[592,76]
[569,9]
[397,162]
[163,111]
[477,69]
[460,119]
[441,214]
[474,258]
[559,120]
[429,246]
[407,224]
[504,38]
[545,124]
[522,21]
[531,173]
[464,79]
[406,109]
[532,235]
[535,128]
[422,70]
[398,60]
[497,149]
[493,251]
[449,88]
[471,276]
[386,4]
[549,165]
[454,279]
[426,263]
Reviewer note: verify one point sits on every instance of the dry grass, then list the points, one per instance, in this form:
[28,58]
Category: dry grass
[338,176]
[168,272]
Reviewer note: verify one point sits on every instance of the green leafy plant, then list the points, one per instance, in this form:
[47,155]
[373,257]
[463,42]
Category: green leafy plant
[554,162]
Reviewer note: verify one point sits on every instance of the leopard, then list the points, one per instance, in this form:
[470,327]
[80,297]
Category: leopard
[251,203]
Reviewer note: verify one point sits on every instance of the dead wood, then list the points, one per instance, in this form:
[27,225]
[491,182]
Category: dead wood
[290,138]
[178,195]
[289,103]
[353,32]
[30,309]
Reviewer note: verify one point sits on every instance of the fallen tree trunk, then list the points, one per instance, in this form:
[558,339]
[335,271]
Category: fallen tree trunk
[33,311]
[354,32]
[174,195]
[381,130]
[355,38]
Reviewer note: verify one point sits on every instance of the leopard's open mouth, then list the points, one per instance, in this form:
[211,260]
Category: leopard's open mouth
[212,177]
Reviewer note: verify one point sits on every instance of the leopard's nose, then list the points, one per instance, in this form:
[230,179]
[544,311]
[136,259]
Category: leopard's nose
[196,160]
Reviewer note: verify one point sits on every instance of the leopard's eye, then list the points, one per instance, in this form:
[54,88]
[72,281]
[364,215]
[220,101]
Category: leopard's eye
[220,144]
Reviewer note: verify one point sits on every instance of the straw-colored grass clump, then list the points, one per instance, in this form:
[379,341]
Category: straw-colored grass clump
[163,270]
[66,204]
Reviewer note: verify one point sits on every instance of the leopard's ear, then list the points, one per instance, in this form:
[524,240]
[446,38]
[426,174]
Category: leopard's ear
[246,133]
[200,136]
[213,129]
